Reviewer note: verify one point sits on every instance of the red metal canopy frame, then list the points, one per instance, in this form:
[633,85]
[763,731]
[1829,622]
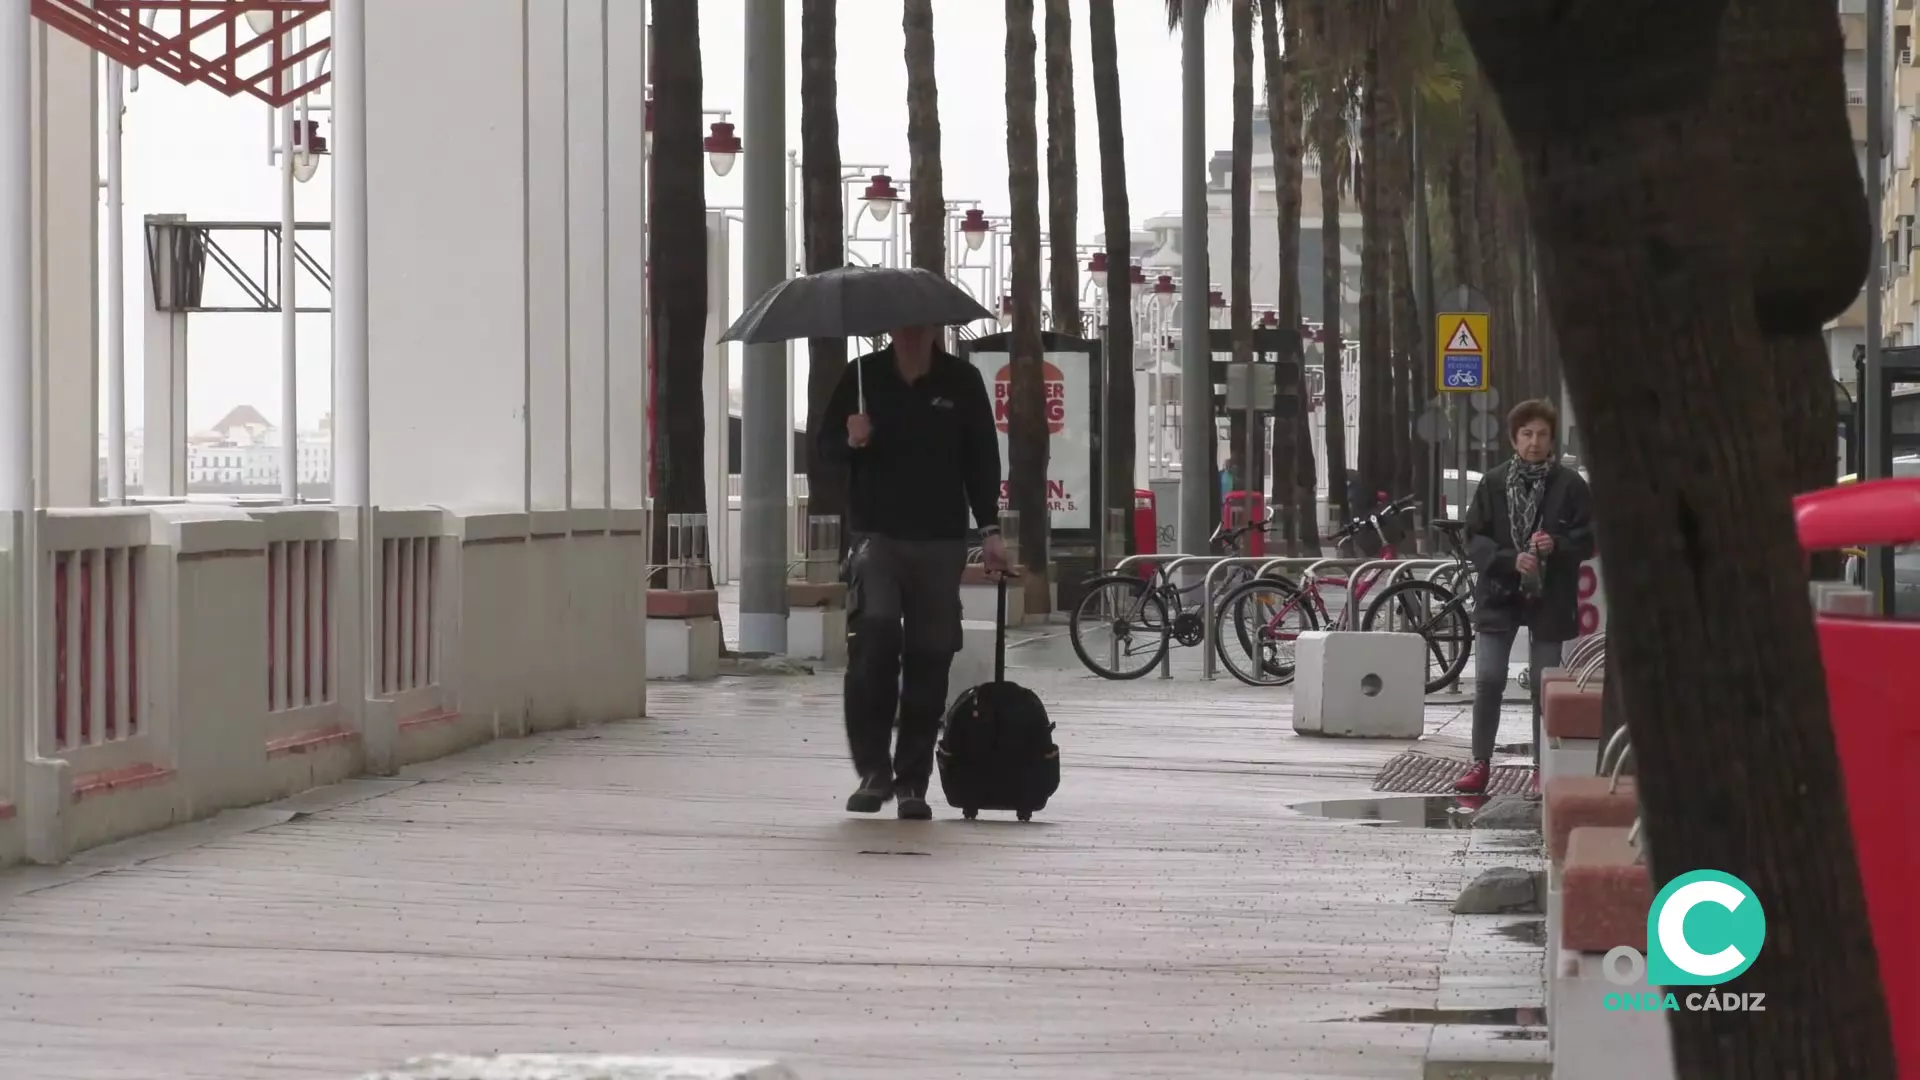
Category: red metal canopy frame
[210,47]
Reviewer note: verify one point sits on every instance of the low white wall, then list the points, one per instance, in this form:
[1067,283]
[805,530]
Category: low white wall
[197,658]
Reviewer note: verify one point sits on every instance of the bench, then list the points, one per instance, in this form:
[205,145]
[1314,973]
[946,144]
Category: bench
[1571,719]
[1598,1029]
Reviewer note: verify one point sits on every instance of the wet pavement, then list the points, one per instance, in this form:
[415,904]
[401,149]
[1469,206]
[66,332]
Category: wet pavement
[688,884]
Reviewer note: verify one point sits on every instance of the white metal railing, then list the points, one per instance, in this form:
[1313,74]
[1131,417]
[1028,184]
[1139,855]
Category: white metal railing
[301,614]
[409,653]
[93,576]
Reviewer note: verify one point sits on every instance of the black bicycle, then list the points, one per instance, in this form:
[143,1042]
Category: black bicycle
[1440,614]
[1125,624]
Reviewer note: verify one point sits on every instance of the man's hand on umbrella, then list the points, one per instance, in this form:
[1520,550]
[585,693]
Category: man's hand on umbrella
[993,553]
[859,430]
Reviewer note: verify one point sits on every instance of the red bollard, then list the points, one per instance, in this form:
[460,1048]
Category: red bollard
[1872,687]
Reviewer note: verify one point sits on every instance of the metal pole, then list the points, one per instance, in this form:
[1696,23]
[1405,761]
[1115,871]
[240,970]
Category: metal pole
[765,439]
[1874,404]
[289,364]
[1196,368]
[116,290]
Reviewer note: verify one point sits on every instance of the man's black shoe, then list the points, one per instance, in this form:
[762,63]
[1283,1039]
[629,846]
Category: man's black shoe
[914,808]
[873,794]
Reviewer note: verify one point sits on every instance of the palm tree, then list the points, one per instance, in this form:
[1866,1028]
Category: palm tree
[929,205]
[1117,219]
[1063,181]
[1027,435]
[679,280]
[1328,93]
[1240,251]
[1293,468]
[822,226]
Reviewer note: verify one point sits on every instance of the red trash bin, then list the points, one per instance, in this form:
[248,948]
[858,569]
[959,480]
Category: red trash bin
[1146,527]
[1872,684]
[1240,507]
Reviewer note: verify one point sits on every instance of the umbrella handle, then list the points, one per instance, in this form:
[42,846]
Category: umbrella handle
[860,383]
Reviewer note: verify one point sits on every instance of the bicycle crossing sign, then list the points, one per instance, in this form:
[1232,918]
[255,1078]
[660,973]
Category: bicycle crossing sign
[1460,363]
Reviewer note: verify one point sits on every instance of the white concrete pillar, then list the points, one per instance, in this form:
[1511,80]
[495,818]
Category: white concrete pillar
[446,312]
[66,178]
[626,254]
[164,446]
[547,390]
[715,388]
[587,295]
[16,385]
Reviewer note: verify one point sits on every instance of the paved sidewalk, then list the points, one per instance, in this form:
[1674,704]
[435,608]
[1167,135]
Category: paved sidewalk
[687,884]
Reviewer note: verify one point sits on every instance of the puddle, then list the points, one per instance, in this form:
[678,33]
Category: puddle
[1510,1017]
[1405,811]
[1528,932]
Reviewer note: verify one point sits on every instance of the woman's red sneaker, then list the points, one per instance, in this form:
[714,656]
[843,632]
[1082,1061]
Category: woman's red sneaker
[1475,780]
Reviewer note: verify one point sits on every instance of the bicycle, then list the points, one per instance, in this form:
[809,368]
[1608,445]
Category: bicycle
[1441,615]
[1147,615]
[1268,614]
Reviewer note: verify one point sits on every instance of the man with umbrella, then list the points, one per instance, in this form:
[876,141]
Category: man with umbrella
[914,428]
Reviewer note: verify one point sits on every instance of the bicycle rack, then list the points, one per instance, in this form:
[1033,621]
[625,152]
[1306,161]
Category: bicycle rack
[1394,569]
[1166,661]
[1208,614]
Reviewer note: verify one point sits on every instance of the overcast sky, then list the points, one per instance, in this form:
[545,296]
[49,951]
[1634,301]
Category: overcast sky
[190,150]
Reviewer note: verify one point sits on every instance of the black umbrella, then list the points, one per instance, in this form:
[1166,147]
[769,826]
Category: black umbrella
[854,301]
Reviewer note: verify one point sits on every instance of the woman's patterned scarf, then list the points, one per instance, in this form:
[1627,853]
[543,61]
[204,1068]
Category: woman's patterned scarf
[1526,483]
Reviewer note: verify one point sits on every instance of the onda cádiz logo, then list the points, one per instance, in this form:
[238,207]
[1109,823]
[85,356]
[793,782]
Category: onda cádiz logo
[1705,928]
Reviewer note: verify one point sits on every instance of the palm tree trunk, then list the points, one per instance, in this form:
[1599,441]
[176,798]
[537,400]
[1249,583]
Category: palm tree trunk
[1117,220]
[1240,250]
[1396,181]
[1063,181]
[680,255]
[1329,145]
[1376,440]
[1631,195]
[1292,470]
[928,203]
[1027,436]
[822,228]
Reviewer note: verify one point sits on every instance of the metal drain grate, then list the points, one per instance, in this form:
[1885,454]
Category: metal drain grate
[1415,773]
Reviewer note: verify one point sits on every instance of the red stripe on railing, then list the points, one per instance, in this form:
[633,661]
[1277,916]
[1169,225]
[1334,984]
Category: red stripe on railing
[60,649]
[116,558]
[86,647]
[274,555]
[133,641]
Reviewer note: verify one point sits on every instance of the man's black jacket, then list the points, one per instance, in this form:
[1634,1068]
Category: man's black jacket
[933,455]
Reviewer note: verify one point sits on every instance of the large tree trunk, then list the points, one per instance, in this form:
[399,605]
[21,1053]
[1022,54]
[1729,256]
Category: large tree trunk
[928,202]
[1292,471]
[1395,196]
[822,229]
[1328,144]
[1240,248]
[1117,220]
[1063,181]
[1027,434]
[1646,239]
[1771,88]
[680,264]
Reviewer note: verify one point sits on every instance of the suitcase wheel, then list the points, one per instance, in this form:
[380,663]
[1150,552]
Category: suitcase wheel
[1026,815]
[969,813]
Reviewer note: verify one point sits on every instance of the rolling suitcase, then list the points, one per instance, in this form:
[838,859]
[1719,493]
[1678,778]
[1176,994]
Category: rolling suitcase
[996,747]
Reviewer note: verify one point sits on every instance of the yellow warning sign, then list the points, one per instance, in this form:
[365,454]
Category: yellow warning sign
[1461,364]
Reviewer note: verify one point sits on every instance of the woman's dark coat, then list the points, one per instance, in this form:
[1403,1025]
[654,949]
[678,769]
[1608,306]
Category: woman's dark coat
[1566,514]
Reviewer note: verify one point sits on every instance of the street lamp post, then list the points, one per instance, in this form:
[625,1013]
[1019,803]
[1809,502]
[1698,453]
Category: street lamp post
[1196,376]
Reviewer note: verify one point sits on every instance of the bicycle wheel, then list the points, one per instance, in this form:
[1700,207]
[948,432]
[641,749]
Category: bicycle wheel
[1433,612]
[1255,627]
[1120,621]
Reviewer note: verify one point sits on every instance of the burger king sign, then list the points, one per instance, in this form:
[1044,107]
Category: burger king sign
[1067,388]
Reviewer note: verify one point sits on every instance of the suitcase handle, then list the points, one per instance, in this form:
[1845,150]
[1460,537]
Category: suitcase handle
[1000,626]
